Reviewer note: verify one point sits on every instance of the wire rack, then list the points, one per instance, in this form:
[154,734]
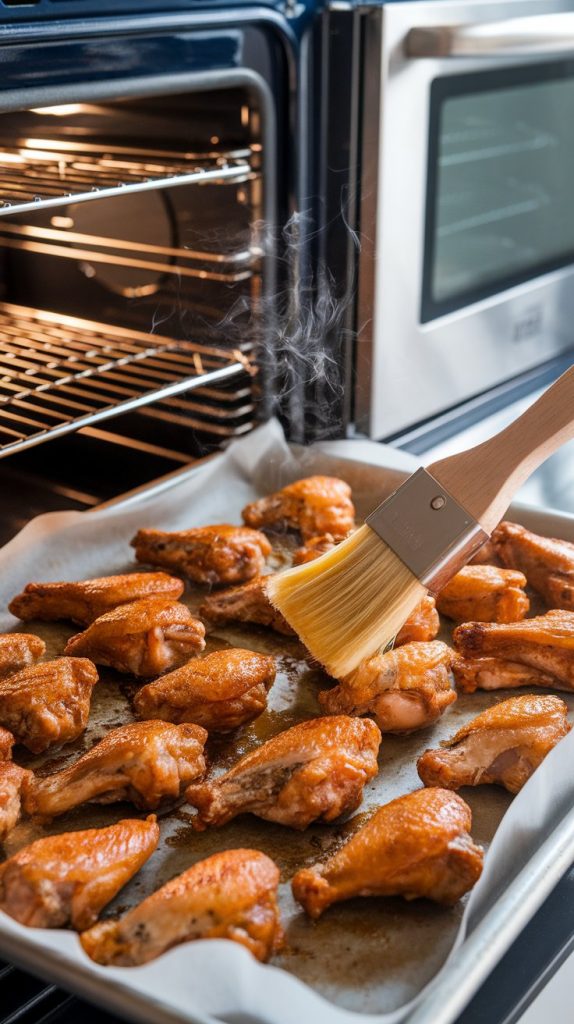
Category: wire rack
[61,373]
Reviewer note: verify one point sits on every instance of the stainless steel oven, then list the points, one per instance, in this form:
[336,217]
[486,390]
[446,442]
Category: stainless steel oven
[466,276]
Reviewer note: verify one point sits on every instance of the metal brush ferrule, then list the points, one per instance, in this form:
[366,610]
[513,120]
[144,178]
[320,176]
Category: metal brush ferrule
[427,529]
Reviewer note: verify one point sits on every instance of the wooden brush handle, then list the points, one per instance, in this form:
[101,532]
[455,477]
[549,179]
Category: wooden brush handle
[486,478]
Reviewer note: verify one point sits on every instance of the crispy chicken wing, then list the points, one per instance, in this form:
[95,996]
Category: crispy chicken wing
[313,548]
[69,878]
[404,689]
[416,846]
[484,593]
[207,554]
[220,692]
[247,603]
[18,651]
[7,741]
[231,895]
[504,745]
[314,771]
[85,601]
[143,638]
[12,781]
[472,674]
[545,643]
[48,703]
[423,624]
[144,762]
[547,563]
[314,506]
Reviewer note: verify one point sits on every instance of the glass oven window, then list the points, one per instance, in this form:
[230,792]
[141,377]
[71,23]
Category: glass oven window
[500,200]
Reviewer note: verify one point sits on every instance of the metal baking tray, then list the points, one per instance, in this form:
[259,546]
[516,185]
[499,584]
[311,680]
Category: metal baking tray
[364,957]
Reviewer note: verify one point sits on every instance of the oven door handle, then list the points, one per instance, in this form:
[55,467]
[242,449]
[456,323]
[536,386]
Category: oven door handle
[515,37]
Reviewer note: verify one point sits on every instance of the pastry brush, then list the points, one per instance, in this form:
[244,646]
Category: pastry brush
[352,601]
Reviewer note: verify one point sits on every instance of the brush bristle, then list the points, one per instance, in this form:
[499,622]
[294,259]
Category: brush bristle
[350,602]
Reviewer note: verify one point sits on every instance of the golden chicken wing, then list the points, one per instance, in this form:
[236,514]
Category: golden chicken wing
[486,555]
[547,563]
[85,601]
[314,771]
[18,651]
[48,703]
[484,593]
[220,692]
[314,506]
[418,845]
[544,643]
[7,741]
[144,762]
[472,674]
[12,782]
[404,689]
[247,603]
[206,554]
[503,745]
[422,624]
[314,548]
[69,878]
[231,895]
[144,638]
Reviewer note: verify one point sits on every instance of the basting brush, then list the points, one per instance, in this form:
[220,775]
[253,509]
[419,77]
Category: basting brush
[352,601]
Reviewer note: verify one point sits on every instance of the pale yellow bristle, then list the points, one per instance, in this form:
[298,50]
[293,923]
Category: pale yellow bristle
[348,603]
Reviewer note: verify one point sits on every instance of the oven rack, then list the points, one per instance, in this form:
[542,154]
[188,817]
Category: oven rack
[38,174]
[61,373]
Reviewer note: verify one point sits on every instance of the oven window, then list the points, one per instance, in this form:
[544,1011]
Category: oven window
[500,202]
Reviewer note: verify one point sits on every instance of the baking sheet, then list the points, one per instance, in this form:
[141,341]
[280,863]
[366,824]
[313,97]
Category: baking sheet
[362,957]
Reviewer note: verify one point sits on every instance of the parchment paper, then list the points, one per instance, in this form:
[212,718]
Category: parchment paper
[366,956]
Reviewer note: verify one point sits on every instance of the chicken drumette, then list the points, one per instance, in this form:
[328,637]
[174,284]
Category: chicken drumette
[144,762]
[220,692]
[248,603]
[422,624]
[404,689]
[18,651]
[316,505]
[231,895]
[12,782]
[85,601]
[206,554]
[416,846]
[545,645]
[143,638]
[314,771]
[504,745]
[48,703]
[547,563]
[69,878]
[484,593]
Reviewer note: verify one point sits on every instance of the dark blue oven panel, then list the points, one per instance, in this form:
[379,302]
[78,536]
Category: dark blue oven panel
[30,10]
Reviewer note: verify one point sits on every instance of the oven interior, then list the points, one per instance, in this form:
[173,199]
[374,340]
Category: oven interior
[133,313]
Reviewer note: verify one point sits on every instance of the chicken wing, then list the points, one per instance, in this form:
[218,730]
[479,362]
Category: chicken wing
[313,548]
[85,601]
[231,895]
[144,762]
[484,593]
[247,603]
[48,703]
[18,651]
[207,554]
[143,638]
[314,771]
[472,674]
[423,624]
[503,745]
[314,506]
[545,643]
[404,689]
[69,878]
[547,563]
[220,692]
[7,741]
[12,782]
[416,846]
